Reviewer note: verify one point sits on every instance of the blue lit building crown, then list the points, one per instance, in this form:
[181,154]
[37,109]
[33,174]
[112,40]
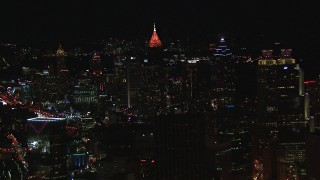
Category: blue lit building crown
[222,49]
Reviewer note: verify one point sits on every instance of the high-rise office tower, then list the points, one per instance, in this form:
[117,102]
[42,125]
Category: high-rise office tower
[61,81]
[134,79]
[60,55]
[154,53]
[153,59]
[228,120]
[152,76]
[280,86]
[96,65]
[313,107]
[224,77]
[47,148]
[281,116]
[267,86]
[222,49]
[223,90]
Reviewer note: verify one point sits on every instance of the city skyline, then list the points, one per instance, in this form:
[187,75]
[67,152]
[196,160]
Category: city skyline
[147,115]
[294,25]
[159,89]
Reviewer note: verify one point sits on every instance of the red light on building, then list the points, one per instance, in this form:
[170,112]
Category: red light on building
[152,161]
[155,41]
[102,87]
[308,82]
[96,57]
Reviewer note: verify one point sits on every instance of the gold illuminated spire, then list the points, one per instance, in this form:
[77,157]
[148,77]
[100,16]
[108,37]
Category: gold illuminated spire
[60,51]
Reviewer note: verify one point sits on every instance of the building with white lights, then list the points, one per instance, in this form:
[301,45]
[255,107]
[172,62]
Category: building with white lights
[47,149]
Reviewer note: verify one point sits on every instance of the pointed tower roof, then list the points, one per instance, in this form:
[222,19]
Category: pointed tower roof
[155,41]
[222,49]
[60,51]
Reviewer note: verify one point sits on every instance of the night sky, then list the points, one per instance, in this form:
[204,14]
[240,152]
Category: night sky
[132,18]
[295,23]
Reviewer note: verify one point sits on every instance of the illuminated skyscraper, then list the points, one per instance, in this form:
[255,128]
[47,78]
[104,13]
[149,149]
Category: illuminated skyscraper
[224,89]
[134,79]
[222,49]
[155,52]
[96,65]
[280,86]
[61,64]
[281,116]
[155,41]
[229,122]
[152,76]
[47,148]
[313,107]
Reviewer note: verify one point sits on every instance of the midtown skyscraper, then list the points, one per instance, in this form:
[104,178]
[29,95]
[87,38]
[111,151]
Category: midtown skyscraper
[280,90]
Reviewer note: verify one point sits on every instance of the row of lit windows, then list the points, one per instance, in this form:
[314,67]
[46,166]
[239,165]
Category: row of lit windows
[276,62]
[88,99]
[85,92]
[288,87]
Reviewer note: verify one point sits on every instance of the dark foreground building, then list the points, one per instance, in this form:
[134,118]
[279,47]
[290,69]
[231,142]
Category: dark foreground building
[312,157]
[180,147]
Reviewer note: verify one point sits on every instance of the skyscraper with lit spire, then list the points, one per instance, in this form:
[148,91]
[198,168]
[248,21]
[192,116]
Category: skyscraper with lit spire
[155,41]
[154,52]
[152,75]
[222,49]
[61,64]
